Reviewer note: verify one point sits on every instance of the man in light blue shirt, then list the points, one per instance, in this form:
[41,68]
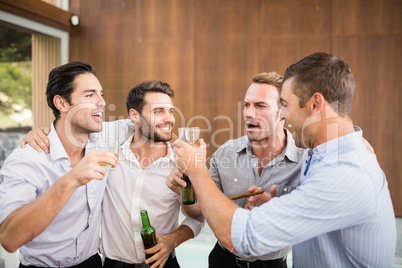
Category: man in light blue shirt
[341,215]
[50,204]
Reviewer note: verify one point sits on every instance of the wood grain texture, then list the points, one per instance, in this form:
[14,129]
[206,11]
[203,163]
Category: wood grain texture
[209,50]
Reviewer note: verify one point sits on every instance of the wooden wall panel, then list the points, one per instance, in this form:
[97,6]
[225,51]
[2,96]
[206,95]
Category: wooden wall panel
[293,29]
[227,40]
[208,51]
[45,57]
[368,35]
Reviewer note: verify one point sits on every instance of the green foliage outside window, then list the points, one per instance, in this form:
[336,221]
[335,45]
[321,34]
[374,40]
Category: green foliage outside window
[15,77]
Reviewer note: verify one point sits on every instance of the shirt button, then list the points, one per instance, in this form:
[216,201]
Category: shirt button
[235,180]
[255,165]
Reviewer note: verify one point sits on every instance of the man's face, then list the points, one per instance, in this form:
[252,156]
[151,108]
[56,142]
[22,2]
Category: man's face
[157,120]
[294,115]
[87,104]
[261,111]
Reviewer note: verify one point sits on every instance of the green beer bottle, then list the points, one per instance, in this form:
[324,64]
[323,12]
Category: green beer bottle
[148,233]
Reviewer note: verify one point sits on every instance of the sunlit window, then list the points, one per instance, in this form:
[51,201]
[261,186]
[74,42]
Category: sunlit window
[15,87]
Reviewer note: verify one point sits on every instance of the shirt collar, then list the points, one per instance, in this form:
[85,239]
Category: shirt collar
[290,150]
[57,150]
[125,147]
[243,144]
[346,141]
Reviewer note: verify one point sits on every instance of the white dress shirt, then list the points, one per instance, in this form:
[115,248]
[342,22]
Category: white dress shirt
[73,236]
[130,190]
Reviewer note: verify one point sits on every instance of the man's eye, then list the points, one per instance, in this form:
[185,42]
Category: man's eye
[90,95]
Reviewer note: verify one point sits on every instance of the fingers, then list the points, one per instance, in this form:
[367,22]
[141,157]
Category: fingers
[175,178]
[252,188]
[203,144]
[43,140]
[272,190]
[174,183]
[103,158]
[177,144]
[37,139]
[46,130]
[161,252]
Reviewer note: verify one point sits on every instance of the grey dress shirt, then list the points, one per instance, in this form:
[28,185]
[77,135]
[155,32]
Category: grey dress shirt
[234,168]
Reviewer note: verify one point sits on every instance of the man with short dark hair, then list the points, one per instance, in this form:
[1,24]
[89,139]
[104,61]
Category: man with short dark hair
[139,182]
[50,204]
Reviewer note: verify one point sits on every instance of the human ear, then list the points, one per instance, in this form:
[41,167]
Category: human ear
[134,115]
[60,103]
[317,102]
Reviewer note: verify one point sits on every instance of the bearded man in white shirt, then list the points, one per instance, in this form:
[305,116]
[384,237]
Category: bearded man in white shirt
[145,160]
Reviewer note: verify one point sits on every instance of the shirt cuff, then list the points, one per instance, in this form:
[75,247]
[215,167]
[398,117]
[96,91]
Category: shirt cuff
[194,225]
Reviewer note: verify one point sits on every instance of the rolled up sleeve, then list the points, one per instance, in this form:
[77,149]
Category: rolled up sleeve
[195,225]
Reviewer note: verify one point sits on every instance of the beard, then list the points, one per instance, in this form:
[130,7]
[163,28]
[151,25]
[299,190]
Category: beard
[149,131]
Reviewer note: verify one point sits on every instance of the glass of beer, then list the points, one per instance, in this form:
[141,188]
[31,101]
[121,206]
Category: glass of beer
[110,145]
[190,135]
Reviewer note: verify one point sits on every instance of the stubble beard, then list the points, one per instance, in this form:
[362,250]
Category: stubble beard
[150,133]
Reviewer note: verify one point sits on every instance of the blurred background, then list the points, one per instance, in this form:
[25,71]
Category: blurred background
[207,51]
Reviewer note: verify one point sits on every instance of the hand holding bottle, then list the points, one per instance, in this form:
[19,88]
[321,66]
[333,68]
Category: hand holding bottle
[190,159]
[191,135]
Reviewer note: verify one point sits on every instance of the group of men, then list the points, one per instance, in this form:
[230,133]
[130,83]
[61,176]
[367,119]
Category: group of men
[326,198]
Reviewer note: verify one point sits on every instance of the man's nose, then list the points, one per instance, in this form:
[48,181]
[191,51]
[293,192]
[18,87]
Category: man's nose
[101,102]
[282,114]
[249,112]
[169,117]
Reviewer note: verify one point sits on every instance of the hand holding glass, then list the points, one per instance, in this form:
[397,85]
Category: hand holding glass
[110,146]
[190,135]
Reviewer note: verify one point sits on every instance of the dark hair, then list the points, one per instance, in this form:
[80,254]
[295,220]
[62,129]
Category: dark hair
[326,74]
[272,78]
[135,98]
[61,82]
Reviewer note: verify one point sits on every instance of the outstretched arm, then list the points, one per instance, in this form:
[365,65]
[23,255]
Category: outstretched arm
[217,209]
[27,222]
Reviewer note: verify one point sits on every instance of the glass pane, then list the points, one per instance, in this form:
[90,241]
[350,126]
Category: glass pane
[15,87]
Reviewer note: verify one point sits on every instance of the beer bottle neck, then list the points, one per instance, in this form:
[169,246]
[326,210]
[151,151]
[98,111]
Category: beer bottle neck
[145,219]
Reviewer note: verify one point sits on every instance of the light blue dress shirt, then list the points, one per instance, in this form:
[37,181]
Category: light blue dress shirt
[73,236]
[340,216]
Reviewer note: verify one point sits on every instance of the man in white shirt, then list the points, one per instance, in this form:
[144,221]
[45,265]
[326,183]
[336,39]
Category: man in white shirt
[50,204]
[145,161]
[139,182]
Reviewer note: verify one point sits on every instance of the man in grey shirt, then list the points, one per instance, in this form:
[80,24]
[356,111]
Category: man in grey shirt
[265,157]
